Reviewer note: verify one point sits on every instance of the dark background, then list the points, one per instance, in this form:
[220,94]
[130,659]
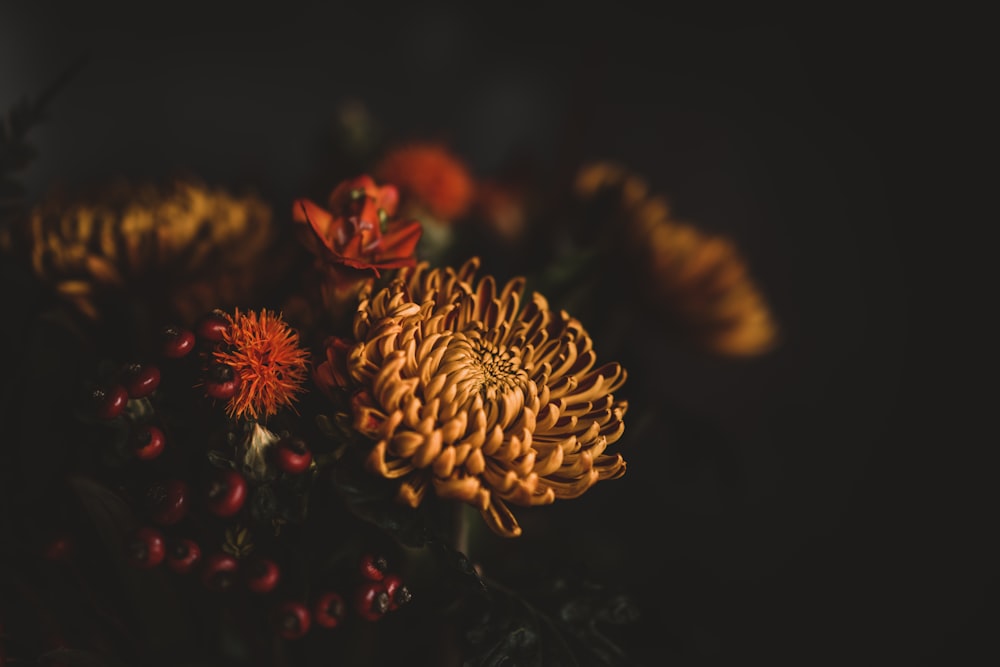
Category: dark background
[784,508]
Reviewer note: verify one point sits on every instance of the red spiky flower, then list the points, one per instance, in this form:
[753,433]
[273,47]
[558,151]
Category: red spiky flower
[265,353]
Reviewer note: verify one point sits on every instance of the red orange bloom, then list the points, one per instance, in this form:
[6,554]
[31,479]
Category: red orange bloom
[358,231]
[429,176]
[264,352]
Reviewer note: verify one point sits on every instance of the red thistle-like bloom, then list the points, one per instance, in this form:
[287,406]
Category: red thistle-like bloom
[264,352]
[358,231]
[429,176]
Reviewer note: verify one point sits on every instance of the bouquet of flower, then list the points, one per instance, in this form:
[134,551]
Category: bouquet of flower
[251,432]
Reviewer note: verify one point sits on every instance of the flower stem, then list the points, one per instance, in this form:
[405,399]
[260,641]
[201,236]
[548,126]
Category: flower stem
[460,536]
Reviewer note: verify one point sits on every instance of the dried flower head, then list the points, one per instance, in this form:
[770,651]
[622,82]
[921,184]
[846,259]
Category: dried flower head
[701,279]
[467,393]
[264,352]
[192,246]
[430,177]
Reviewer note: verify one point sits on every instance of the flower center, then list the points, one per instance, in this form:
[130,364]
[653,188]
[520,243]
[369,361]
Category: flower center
[476,366]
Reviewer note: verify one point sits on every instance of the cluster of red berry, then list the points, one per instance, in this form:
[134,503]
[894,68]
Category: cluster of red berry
[130,387]
[163,541]
[378,593]
[127,391]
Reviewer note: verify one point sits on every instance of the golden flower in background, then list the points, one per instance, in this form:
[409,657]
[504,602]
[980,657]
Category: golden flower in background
[469,392]
[264,353]
[197,244]
[701,279]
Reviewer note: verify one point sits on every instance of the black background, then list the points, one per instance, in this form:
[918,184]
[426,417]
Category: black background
[784,508]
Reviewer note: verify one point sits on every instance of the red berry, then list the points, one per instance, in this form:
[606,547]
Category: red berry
[177,342]
[226,493]
[141,380]
[168,501]
[262,575]
[58,548]
[371,600]
[183,555]
[219,572]
[148,442]
[110,402]
[292,455]
[213,326]
[291,620]
[222,382]
[398,593]
[373,567]
[329,610]
[146,550]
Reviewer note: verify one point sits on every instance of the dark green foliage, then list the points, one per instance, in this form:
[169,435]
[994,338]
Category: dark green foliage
[16,151]
[560,623]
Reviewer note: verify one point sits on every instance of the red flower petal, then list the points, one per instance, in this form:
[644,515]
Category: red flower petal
[400,240]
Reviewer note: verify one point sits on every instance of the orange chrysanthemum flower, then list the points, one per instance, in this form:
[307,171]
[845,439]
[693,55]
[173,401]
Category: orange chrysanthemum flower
[264,353]
[429,176]
[469,395]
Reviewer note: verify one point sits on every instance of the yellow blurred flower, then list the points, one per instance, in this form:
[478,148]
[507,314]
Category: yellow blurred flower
[198,244]
[700,279]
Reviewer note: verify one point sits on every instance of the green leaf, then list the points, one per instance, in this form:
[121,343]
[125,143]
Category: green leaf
[562,624]
[372,499]
[15,151]
[459,565]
